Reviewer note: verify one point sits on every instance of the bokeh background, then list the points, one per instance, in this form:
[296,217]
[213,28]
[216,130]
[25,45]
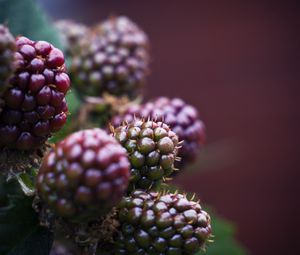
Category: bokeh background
[238,63]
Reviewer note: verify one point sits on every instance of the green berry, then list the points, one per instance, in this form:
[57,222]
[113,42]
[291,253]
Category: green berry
[152,149]
[149,223]
[182,118]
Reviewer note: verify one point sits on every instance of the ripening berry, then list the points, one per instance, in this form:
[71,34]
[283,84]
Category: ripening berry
[182,118]
[152,149]
[84,176]
[114,60]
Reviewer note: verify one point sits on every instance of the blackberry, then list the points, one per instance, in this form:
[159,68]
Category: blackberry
[168,224]
[152,149]
[84,176]
[72,35]
[7,50]
[182,118]
[114,60]
[35,104]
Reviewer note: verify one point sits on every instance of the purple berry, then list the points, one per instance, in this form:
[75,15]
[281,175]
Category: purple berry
[106,62]
[7,51]
[35,101]
[55,58]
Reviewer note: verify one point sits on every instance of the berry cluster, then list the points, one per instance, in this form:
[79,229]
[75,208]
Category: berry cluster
[72,35]
[99,186]
[84,176]
[182,118]
[35,104]
[114,60]
[7,49]
[168,224]
[152,149]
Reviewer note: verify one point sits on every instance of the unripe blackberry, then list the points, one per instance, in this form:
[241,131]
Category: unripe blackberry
[152,149]
[7,50]
[168,224]
[35,104]
[72,35]
[182,118]
[114,61]
[84,176]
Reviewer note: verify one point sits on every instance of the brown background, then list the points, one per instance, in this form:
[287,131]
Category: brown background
[238,62]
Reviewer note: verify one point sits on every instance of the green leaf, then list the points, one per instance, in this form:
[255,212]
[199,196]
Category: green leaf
[20,232]
[224,238]
[27,181]
[24,17]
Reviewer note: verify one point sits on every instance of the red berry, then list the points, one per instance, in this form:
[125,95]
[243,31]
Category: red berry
[58,121]
[14,98]
[44,96]
[27,51]
[81,187]
[23,80]
[62,82]
[43,48]
[37,81]
[55,58]
[36,65]
[25,141]
[23,40]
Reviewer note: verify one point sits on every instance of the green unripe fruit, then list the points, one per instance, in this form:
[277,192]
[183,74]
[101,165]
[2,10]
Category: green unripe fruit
[152,148]
[154,224]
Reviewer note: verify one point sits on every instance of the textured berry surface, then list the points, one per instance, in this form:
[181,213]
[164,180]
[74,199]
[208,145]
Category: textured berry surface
[181,117]
[7,49]
[72,35]
[152,149]
[168,224]
[84,176]
[114,61]
[35,104]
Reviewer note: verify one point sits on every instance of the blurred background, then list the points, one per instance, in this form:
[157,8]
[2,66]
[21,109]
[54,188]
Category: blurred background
[238,63]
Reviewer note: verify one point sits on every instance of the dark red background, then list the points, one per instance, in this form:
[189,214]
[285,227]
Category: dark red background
[238,62]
